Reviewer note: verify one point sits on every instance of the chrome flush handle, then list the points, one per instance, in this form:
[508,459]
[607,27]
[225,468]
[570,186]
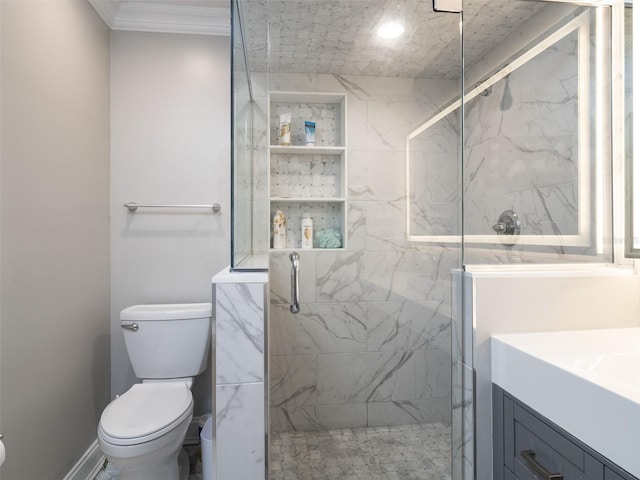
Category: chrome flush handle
[133,327]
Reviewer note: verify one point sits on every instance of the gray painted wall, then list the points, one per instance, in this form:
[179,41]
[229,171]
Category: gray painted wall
[169,144]
[54,234]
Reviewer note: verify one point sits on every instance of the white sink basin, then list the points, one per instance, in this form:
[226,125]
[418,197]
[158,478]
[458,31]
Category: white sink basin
[586,381]
[614,371]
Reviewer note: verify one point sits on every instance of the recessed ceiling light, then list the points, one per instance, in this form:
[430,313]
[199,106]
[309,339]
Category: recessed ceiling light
[390,30]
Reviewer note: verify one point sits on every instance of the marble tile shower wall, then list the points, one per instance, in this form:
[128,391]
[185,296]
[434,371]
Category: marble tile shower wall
[434,177]
[371,346]
[521,152]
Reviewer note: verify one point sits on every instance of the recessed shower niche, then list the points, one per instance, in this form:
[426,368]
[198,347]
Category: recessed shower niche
[309,179]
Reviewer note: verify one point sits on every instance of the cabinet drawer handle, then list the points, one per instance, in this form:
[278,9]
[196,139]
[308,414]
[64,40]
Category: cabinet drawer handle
[530,458]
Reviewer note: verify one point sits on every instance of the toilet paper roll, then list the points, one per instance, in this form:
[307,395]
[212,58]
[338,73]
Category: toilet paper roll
[3,454]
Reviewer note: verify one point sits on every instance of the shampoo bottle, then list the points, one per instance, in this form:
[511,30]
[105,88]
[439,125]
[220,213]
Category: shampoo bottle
[285,129]
[279,230]
[307,232]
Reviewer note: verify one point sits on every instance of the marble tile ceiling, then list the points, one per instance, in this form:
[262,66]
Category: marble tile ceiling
[337,36]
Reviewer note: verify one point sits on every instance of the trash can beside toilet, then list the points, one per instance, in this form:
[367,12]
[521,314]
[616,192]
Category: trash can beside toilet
[206,447]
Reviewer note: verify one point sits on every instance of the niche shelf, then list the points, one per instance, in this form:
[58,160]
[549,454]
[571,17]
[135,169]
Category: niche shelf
[304,178]
[304,150]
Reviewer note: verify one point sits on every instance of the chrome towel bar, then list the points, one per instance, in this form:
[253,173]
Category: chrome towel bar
[133,206]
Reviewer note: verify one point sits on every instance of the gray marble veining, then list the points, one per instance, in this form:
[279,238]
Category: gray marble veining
[372,312]
[524,148]
[293,380]
[240,430]
[366,377]
[240,384]
[319,328]
[239,333]
[523,145]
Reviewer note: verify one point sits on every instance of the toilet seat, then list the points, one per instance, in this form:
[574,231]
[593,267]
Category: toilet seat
[146,412]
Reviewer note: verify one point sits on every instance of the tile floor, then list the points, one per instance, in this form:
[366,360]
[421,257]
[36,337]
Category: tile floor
[409,452]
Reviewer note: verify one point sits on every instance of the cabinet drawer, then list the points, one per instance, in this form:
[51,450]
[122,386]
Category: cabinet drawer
[551,459]
[609,474]
[517,428]
[508,475]
[549,449]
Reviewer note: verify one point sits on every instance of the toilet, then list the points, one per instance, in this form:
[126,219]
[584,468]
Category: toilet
[141,432]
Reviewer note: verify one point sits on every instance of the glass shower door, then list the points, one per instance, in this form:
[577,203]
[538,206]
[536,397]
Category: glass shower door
[361,376]
[536,168]
[537,136]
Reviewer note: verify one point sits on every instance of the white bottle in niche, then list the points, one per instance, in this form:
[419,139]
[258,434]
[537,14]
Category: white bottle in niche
[279,230]
[307,232]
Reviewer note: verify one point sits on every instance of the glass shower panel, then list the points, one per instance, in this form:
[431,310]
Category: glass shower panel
[632,172]
[249,242]
[434,223]
[361,377]
[536,170]
[537,135]
[242,149]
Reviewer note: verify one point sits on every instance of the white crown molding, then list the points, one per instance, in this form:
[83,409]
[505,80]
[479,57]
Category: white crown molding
[163,18]
[107,10]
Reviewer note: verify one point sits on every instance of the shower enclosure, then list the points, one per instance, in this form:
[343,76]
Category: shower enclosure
[424,165]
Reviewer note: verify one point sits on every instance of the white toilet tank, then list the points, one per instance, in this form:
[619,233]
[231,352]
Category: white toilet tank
[167,341]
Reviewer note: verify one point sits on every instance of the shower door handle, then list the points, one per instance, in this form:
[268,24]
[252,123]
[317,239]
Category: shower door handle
[295,282]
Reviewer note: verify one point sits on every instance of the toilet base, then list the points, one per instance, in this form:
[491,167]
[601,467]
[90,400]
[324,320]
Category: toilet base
[156,459]
[112,472]
[156,465]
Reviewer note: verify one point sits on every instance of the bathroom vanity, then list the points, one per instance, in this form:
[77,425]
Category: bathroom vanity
[566,405]
[525,443]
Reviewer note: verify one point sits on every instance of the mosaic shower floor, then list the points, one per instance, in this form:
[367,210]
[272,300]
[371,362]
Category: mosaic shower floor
[409,452]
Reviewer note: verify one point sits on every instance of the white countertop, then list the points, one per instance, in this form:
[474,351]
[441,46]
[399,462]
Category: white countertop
[548,270]
[586,381]
[226,276]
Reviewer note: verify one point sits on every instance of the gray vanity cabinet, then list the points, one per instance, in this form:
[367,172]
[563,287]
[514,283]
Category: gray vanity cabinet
[611,475]
[528,446]
[536,446]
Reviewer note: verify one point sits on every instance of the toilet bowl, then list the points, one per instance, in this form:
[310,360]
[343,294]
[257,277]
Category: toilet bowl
[141,431]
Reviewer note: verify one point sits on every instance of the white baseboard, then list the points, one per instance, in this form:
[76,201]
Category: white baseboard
[89,465]
[91,462]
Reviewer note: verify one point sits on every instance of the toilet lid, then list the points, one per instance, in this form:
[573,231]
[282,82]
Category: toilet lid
[145,408]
